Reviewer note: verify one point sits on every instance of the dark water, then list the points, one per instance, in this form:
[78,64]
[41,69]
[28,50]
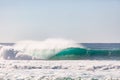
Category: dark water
[104,46]
[7,44]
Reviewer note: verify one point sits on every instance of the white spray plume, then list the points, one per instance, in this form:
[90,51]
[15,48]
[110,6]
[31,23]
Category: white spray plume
[44,49]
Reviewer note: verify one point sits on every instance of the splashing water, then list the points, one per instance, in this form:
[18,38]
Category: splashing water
[36,49]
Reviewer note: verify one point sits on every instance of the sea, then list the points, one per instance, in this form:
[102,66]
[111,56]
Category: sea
[59,59]
[59,49]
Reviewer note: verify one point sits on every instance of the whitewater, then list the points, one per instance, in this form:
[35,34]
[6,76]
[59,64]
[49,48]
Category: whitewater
[59,70]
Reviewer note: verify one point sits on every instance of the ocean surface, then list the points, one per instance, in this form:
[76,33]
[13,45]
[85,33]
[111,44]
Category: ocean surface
[53,49]
[59,59]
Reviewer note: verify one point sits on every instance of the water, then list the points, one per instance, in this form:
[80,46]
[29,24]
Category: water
[35,60]
[107,46]
[59,49]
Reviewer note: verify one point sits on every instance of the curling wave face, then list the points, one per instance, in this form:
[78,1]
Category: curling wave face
[54,49]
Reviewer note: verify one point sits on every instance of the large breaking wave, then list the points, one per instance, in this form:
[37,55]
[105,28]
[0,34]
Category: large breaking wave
[35,49]
[53,49]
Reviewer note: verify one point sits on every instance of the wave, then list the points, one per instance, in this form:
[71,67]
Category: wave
[83,53]
[36,49]
[53,49]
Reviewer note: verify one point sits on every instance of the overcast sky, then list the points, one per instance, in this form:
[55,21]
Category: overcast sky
[79,20]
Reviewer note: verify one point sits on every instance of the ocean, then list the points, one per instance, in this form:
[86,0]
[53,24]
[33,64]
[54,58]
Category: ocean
[59,50]
[59,59]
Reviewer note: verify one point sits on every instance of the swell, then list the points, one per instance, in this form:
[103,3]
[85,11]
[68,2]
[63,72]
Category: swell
[82,53]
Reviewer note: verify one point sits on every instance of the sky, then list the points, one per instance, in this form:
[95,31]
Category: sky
[79,20]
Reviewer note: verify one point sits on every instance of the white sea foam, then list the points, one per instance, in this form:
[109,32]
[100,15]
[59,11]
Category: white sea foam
[59,70]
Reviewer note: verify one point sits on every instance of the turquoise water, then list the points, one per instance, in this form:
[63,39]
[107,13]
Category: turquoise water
[81,53]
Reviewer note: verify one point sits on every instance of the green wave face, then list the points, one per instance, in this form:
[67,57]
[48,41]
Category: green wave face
[81,53]
[70,53]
